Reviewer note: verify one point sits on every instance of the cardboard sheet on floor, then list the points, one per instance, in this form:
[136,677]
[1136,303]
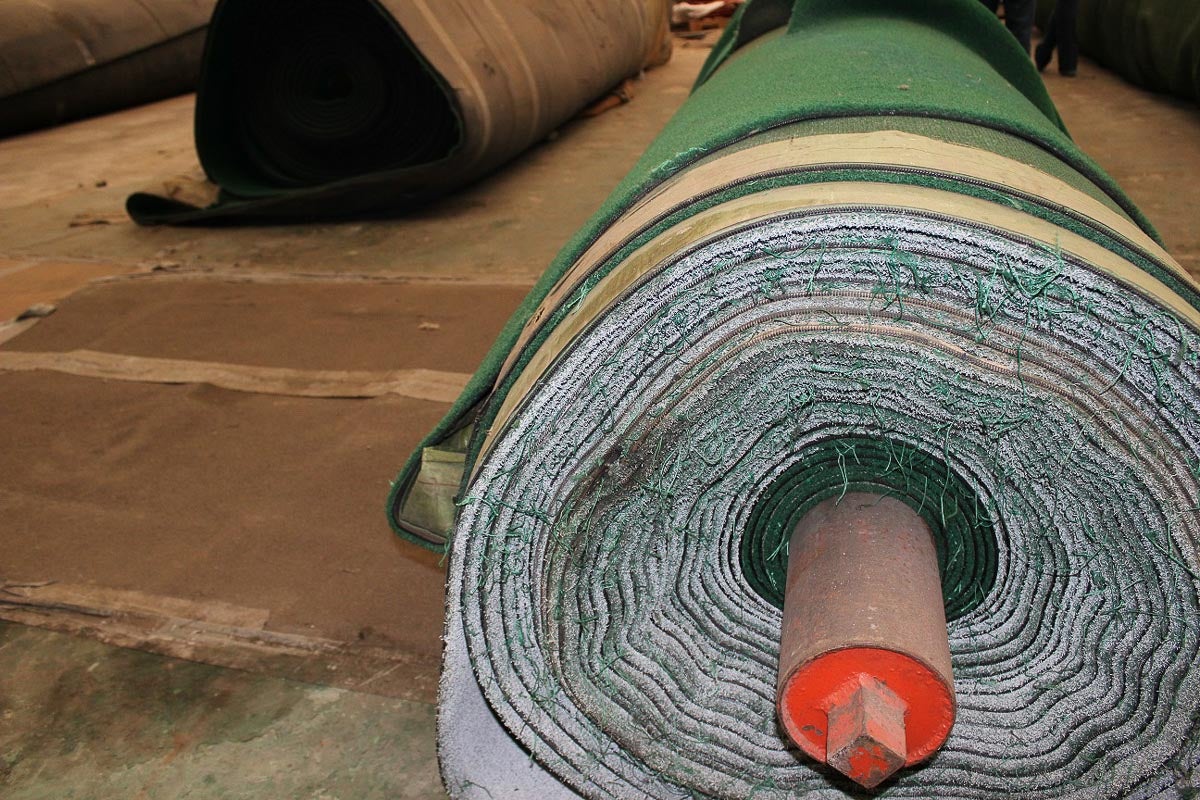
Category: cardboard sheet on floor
[205,494]
[315,325]
[197,492]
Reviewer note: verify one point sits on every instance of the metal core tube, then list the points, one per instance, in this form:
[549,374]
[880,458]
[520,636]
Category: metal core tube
[865,683]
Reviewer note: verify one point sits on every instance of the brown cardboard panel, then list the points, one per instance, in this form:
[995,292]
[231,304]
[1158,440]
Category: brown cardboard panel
[304,325]
[205,494]
[25,283]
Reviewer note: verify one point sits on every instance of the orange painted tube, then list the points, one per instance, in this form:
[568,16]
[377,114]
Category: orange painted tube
[865,681]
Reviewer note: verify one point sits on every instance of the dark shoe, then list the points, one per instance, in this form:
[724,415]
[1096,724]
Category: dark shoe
[1041,56]
[1066,73]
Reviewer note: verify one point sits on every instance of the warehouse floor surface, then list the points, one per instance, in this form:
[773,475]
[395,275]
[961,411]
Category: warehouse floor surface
[199,438]
[82,720]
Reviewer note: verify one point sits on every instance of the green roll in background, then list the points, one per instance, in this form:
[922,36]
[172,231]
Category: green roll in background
[334,108]
[864,255]
[62,60]
[1153,43]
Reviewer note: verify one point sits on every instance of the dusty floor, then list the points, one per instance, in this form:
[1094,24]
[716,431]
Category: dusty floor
[197,447]
[85,721]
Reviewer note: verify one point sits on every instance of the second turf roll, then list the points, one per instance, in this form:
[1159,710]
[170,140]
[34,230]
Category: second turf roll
[315,108]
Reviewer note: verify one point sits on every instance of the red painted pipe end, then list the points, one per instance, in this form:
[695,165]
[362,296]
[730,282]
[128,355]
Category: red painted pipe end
[865,676]
[867,711]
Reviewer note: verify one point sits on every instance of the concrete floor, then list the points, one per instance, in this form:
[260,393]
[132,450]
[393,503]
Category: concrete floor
[245,528]
[80,720]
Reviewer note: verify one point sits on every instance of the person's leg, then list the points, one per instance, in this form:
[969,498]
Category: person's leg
[1066,13]
[1018,16]
[1045,50]
[992,5]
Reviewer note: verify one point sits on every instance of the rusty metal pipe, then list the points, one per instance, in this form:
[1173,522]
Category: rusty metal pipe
[865,682]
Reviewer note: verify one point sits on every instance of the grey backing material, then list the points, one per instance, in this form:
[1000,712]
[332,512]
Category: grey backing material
[632,659]
[479,758]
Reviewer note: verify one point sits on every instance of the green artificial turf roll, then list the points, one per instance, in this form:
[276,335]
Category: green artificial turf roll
[997,92]
[864,256]
[1153,43]
[324,96]
[316,108]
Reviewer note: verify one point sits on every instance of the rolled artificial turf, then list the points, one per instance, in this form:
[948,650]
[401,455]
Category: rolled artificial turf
[1153,43]
[64,60]
[318,109]
[864,256]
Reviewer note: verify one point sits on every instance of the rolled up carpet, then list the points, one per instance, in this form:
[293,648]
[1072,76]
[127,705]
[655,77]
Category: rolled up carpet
[1153,43]
[324,108]
[863,257]
[62,60]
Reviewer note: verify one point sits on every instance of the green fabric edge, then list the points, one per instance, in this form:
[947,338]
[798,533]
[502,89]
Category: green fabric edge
[967,21]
